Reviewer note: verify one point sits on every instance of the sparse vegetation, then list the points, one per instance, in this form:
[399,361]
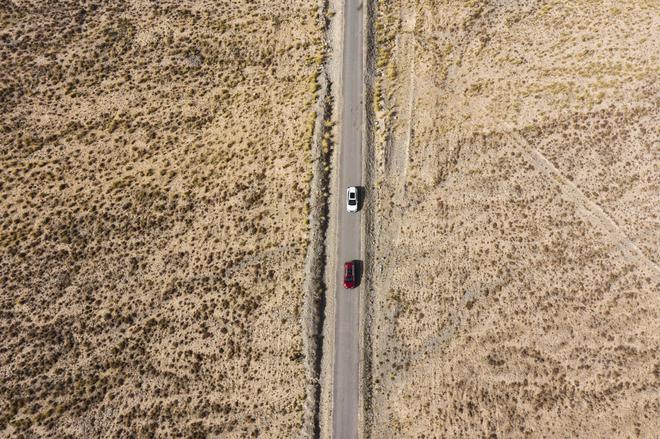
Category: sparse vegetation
[155,165]
[516,256]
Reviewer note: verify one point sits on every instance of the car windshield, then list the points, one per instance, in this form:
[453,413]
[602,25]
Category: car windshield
[351,201]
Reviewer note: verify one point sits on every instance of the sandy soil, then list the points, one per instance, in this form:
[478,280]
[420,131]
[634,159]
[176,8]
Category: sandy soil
[154,178]
[515,275]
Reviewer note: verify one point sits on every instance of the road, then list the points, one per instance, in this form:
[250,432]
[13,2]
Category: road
[345,385]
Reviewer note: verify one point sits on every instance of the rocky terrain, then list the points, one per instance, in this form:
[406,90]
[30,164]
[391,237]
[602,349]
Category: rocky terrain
[515,285]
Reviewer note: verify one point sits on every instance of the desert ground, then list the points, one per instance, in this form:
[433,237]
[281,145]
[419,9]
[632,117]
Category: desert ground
[516,281]
[154,183]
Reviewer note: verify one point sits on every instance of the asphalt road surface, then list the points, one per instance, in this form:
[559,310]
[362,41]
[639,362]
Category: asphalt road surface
[349,226]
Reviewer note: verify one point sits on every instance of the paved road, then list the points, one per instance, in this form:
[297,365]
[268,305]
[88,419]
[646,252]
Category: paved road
[349,227]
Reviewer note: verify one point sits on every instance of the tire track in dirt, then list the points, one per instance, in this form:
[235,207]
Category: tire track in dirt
[589,210]
[398,145]
[395,161]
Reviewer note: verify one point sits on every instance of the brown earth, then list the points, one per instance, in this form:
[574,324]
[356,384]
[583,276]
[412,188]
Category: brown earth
[154,178]
[516,249]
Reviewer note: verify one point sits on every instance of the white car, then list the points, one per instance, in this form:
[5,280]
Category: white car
[352,199]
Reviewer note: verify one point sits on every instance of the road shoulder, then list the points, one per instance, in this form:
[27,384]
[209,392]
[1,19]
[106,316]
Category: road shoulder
[333,69]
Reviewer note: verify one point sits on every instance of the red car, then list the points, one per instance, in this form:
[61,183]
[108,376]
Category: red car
[349,275]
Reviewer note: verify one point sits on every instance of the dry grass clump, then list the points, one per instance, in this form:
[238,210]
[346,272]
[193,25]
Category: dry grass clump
[516,221]
[155,161]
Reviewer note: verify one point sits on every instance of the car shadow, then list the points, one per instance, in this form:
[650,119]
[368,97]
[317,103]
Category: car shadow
[361,194]
[358,267]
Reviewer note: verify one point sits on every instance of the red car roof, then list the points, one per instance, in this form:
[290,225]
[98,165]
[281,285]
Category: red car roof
[349,275]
